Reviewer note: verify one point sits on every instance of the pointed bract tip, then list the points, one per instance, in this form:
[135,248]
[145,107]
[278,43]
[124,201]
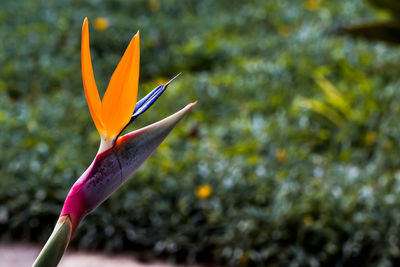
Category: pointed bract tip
[193,104]
[189,106]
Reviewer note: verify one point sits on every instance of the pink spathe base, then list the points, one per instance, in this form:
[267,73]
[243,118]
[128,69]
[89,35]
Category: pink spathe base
[111,168]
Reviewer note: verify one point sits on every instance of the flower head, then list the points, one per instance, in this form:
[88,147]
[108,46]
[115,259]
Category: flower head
[114,112]
[111,167]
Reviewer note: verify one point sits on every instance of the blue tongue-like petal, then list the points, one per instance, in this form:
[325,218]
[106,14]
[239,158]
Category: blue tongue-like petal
[148,101]
[144,99]
[143,104]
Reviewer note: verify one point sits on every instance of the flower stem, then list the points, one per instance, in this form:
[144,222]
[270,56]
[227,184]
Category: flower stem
[58,241]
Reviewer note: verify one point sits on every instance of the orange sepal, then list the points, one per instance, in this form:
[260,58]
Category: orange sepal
[120,98]
[89,83]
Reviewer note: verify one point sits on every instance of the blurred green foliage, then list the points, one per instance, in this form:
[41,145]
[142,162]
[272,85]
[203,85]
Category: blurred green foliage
[295,137]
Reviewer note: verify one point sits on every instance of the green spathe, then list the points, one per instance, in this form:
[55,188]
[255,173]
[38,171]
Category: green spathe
[54,249]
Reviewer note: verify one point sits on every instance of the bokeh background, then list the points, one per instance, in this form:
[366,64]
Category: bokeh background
[290,158]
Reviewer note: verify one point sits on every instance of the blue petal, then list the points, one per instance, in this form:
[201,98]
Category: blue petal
[144,99]
[143,104]
[149,101]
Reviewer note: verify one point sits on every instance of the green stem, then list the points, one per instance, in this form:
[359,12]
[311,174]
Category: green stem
[54,248]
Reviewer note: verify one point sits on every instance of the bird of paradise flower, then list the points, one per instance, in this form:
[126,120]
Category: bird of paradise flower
[118,156]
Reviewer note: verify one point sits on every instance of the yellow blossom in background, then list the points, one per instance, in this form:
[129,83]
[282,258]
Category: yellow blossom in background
[154,5]
[203,191]
[308,220]
[101,24]
[370,138]
[281,155]
[284,30]
[312,5]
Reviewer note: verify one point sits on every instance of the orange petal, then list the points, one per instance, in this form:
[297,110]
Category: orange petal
[89,83]
[120,98]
